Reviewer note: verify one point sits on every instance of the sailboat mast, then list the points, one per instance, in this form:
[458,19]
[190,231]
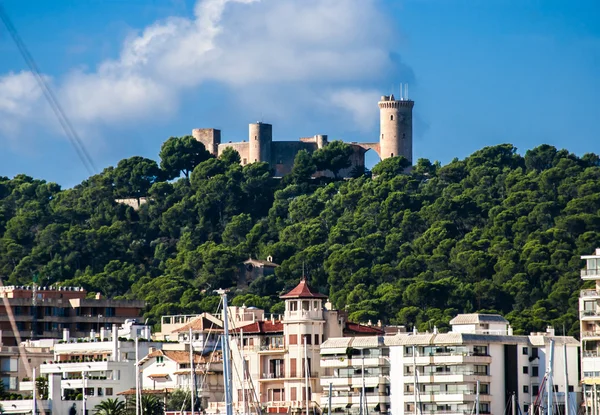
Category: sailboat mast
[549,381]
[192,374]
[477,399]
[226,362]
[306,375]
[566,380]
[415,377]
[364,395]
[243,371]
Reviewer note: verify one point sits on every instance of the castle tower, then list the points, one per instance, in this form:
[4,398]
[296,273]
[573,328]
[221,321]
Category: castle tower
[395,127]
[260,137]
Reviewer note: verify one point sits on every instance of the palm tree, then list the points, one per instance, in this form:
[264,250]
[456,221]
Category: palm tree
[151,405]
[110,407]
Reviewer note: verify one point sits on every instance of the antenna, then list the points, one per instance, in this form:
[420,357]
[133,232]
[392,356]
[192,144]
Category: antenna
[401,99]
[406,91]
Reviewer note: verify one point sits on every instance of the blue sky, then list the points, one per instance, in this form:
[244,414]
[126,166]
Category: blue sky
[131,73]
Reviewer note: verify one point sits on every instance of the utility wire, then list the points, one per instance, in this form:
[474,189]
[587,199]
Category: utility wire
[66,125]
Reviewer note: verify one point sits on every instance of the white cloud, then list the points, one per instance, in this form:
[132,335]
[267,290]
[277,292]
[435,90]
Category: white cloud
[324,50]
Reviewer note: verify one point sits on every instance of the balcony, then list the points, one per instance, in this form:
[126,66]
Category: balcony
[449,377]
[270,348]
[590,274]
[353,398]
[453,397]
[589,293]
[591,334]
[589,315]
[337,362]
[453,358]
[371,381]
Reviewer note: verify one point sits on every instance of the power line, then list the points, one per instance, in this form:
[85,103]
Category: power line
[66,125]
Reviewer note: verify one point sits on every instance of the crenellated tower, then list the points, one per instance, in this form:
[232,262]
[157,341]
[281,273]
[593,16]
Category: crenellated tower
[260,137]
[395,117]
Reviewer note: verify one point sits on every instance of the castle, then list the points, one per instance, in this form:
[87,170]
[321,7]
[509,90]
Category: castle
[395,139]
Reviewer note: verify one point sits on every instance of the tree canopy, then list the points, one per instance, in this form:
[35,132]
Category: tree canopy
[494,232]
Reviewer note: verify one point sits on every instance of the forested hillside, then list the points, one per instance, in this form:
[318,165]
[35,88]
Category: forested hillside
[495,232]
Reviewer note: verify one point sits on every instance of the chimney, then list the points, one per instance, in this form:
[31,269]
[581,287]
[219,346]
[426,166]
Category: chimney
[434,329]
[379,323]
[510,330]
[92,334]
[102,333]
[66,336]
[98,296]
[369,323]
[550,331]
[597,251]
[415,330]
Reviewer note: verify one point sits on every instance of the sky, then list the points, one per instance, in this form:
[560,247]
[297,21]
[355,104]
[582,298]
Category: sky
[131,73]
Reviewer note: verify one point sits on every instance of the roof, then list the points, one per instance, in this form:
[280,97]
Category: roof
[260,262]
[425,339]
[477,318]
[147,391]
[178,356]
[303,290]
[356,328]
[203,322]
[260,327]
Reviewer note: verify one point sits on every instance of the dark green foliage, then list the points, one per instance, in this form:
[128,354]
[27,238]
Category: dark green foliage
[334,157]
[494,232]
[180,155]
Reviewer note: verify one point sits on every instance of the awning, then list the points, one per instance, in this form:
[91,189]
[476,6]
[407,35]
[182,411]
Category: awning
[334,350]
[158,375]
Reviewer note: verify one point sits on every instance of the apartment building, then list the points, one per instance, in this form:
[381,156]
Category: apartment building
[164,371]
[589,316]
[357,369]
[85,371]
[43,312]
[13,371]
[276,361]
[479,360]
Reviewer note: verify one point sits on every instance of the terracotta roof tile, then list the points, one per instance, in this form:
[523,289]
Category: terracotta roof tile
[178,356]
[203,322]
[260,327]
[361,329]
[303,290]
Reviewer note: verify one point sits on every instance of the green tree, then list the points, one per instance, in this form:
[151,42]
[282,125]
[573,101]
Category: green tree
[180,155]
[334,157]
[134,176]
[230,156]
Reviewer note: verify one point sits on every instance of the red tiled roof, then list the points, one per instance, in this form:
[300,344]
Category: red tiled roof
[259,327]
[204,322]
[178,356]
[361,329]
[303,290]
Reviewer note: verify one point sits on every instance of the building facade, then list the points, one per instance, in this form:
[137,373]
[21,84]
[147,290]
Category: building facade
[395,139]
[589,317]
[451,372]
[44,312]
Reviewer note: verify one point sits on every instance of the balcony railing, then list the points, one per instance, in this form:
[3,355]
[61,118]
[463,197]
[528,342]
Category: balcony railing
[465,373]
[593,333]
[590,272]
[458,392]
[273,376]
[448,354]
[589,293]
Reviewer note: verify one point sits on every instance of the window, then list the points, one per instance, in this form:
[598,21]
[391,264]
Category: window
[382,136]
[108,391]
[392,155]
[480,350]
[307,339]
[256,137]
[292,368]
[100,392]
[391,118]
[592,264]
[535,371]
[316,339]
[293,339]
[571,388]
[534,353]
[244,161]
[525,351]
[525,389]
[526,408]
[294,306]
[535,389]
[159,359]
[525,370]
[293,394]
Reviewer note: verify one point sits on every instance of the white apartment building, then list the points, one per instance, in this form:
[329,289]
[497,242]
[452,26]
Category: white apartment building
[87,371]
[589,316]
[438,373]
[352,365]
[164,371]
[281,357]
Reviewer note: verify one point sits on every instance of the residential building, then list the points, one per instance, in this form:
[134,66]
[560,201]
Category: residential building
[169,370]
[433,372]
[255,268]
[276,361]
[351,365]
[13,371]
[589,316]
[44,312]
[85,371]
[168,325]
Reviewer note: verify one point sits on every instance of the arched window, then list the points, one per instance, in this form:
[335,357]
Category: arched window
[382,136]
[391,118]
[392,154]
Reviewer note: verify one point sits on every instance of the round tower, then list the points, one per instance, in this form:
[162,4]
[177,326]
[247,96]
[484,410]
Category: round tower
[395,127]
[260,136]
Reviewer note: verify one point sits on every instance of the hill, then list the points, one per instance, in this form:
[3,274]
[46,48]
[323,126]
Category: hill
[495,232]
